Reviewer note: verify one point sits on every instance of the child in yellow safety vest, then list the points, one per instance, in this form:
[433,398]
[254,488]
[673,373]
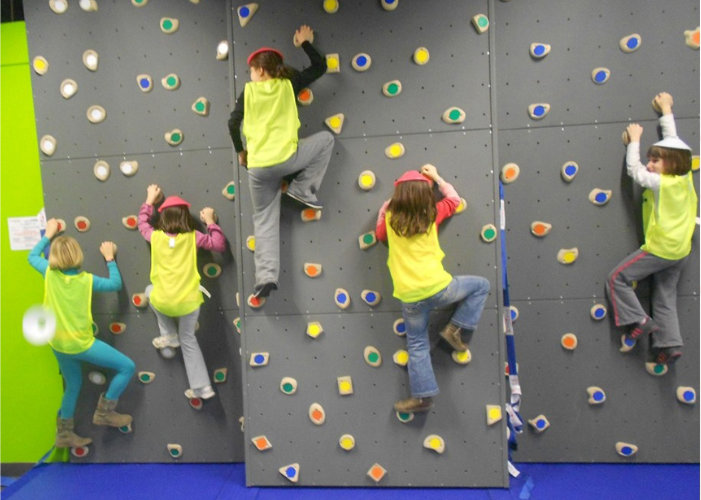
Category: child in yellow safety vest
[174,293]
[669,218]
[68,294]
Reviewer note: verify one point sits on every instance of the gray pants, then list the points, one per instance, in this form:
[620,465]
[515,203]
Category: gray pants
[311,160]
[626,305]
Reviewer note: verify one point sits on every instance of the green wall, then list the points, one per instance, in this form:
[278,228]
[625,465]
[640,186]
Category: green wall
[30,389]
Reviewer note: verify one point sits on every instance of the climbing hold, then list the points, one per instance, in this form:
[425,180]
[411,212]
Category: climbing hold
[139,3]
[129,168]
[61,225]
[600,196]
[255,302]
[598,311]
[434,442]
[145,82]
[686,395]
[377,472]
[371,297]
[509,173]
[341,298]
[88,5]
[462,206]
[95,329]
[421,56]
[392,88]
[513,313]
[569,170]
[346,442]
[395,150]
[538,111]
[569,341]
[259,359]
[399,327]
[245,13]
[480,22]
[169,25]
[372,356]
[80,451]
[453,115]
[310,214]
[219,375]
[237,324]
[626,449]
[117,328]
[211,270]
[596,395]
[389,4]
[174,137]
[174,450]
[229,190]
[539,423]
[305,96]
[317,414]
[567,255]
[58,6]
[404,417]
[314,329]
[68,88]
[139,300]
[345,385]
[313,270]
[222,50]
[656,369]
[91,59]
[488,233]
[400,357]
[691,38]
[361,62]
[96,114]
[366,180]
[335,122]
[290,472]
[540,228]
[331,6]
[261,443]
[251,243]
[493,414]
[600,75]
[40,65]
[146,377]
[101,169]
[201,106]
[171,81]
[47,144]
[81,223]
[288,385]
[461,357]
[625,138]
[539,50]
[695,163]
[333,63]
[366,240]
[97,378]
[630,43]
[627,343]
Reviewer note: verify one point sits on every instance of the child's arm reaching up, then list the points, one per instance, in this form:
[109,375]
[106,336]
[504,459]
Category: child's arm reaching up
[153,194]
[451,200]
[214,239]
[663,102]
[635,168]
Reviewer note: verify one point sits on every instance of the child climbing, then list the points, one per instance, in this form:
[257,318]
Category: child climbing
[174,293]
[268,111]
[669,217]
[68,293]
[409,223]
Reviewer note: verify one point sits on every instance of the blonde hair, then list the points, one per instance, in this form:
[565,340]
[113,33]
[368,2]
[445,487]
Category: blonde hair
[65,253]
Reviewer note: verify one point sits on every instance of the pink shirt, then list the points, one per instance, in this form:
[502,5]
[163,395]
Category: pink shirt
[214,240]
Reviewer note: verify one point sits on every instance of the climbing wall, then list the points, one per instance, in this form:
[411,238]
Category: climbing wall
[283,442]
[584,126]
[129,41]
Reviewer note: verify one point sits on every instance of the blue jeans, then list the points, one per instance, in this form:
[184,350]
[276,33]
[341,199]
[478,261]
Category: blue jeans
[470,292]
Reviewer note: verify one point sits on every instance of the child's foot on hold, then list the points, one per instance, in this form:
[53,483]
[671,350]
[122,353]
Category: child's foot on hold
[451,334]
[205,392]
[166,341]
[666,355]
[263,291]
[315,204]
[413,405]
[646,326]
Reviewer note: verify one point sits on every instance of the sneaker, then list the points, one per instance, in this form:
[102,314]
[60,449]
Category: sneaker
[451,334]
[263,291]
[165,341]
[413,405]
[315,204]
[205,392]
[667,355]
[648,326]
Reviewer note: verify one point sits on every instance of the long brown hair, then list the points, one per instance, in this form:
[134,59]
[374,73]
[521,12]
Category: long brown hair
[272,64]
[412,207]
[175,220]
[676,161]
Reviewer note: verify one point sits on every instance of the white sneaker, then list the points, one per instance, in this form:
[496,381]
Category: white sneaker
[205,392]
[166,341]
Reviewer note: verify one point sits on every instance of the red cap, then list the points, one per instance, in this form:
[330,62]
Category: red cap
[173,201]
[412,175]
[262,49]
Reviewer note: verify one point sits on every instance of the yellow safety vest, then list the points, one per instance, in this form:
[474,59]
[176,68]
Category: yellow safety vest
[176,282]
[669,223]
[69,296]
[415,264]
[270,122]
